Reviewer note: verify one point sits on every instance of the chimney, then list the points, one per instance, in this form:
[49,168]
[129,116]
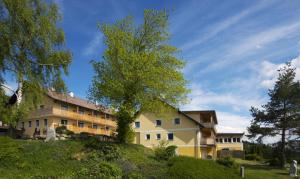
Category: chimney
[71,94]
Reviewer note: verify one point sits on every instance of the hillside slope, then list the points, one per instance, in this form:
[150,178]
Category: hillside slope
[91,159]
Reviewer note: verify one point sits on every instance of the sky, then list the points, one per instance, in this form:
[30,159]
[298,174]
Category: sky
[232,48]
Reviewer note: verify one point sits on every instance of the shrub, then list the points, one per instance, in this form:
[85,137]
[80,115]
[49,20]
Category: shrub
[102,170]
[162,152]
[253,157]
[103,150]
[274,162]
[63,130]
[133,175]
[226,161]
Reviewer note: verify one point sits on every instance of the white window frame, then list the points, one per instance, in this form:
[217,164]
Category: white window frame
[168,136]
[175,121]
[156,122]
[146,137]
[157,136]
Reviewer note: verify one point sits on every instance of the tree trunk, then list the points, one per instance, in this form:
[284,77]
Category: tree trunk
[125,133]
[282,148]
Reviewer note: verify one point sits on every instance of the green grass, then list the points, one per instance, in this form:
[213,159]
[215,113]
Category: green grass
[260,170]
[63,159]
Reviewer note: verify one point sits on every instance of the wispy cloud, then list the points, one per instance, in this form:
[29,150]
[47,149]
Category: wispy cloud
[248,45]
[218,27]
[94,45]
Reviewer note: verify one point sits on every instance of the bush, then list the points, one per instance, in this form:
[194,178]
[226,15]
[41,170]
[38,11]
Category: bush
[102,170]
[226,161]
[103,150]
[63,130]
[275,162]
[133,175]
[253,157]
[162,152]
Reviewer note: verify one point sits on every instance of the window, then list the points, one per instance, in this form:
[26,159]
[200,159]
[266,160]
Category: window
[177,121]
[96,113]
[42,106]
[37,123]
[81,110]
[107,128]
[233,139]
[238,139]
[95,126]
[29,123]
[221,140]
[225,139]
[158,122]
[81,124]
[158,136]
[147,136]
[23,125]
[107,116]
[137,124]
[170,136]
[64,122]
[229,140]
[217,140]
[64,106]
[46,122]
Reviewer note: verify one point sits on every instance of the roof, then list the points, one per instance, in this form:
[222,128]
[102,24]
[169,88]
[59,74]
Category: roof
[77,101]
[230,133]
[189,117]
[213,112]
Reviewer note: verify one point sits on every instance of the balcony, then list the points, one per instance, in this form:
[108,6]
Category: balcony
[46,112]
[207,141]
[77,129]
[209,125]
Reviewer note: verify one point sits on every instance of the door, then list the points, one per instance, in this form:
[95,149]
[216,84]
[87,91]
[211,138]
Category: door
[203,153]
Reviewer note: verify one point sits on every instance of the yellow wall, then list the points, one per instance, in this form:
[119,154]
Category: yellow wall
[230,146]
[185,134]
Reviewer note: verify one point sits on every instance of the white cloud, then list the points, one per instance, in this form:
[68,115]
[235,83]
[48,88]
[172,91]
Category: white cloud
[229,122]
[201,99]
[223,25]
[94,45]
[269,72]
[9,88]
[249,45]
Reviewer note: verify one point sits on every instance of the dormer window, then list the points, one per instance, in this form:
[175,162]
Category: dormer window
[177,121]
[158,122]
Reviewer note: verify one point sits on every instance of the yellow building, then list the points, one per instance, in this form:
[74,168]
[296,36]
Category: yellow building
[230,141]
[76,114]
[193,132]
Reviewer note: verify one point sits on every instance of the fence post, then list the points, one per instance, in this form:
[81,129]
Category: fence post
[242,172]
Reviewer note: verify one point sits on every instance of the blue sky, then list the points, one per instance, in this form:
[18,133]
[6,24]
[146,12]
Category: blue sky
[232,48]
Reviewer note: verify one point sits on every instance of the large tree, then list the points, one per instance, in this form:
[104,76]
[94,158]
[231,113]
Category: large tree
[282,113]
[32,51]
[139,70]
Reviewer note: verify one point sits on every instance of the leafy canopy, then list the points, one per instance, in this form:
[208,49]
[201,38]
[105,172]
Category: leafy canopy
[139,71]
[32,48]
[139,68]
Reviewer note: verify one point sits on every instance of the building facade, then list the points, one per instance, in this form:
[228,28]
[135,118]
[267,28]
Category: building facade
[193,132]
[230,141]
[76,114]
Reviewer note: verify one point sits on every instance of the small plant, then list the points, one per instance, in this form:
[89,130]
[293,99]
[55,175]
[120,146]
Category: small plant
[162,152]
[253,157]
[102,170]
[275,162]
[226,161]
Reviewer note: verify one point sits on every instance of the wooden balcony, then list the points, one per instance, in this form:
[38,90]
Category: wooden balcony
[47,112]
[77,129]
[207,141]
[210,125]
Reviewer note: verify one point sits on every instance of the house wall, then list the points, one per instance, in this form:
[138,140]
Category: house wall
[230,146]
[186,134]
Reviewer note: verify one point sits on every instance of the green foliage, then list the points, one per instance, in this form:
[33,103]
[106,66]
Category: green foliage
[63,130]
[227,162]
[101,170]
[103,150]
[139,69]
[281,113]
[163,151]
[253,157]
[275,162]
[32,51]
[187,167]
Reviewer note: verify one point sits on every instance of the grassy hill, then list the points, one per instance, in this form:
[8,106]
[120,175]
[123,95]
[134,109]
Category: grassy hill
[92,159]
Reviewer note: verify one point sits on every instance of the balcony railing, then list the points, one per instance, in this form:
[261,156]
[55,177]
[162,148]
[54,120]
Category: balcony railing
[71,115]
[77,129]
[207,141]
[209,125]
